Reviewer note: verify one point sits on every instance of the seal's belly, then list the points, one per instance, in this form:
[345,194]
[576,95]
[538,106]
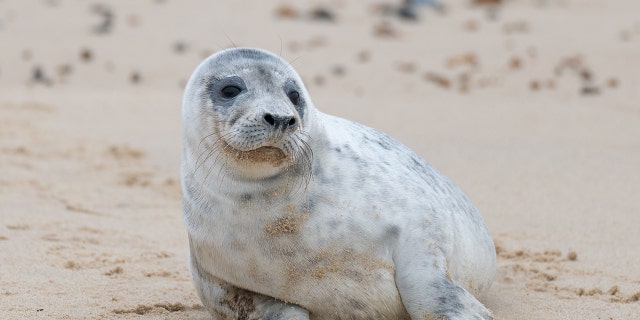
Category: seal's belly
[353,295]
[332,281]
[335,261]
[336,267]
[338,283]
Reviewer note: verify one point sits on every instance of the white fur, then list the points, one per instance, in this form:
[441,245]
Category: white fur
[366,230]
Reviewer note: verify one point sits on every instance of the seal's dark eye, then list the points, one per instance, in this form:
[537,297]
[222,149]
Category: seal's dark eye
[230,91]
[294,96]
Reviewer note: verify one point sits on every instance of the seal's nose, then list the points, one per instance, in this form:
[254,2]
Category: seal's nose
[283,122]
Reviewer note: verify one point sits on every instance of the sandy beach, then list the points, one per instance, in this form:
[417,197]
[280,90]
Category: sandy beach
[531,106]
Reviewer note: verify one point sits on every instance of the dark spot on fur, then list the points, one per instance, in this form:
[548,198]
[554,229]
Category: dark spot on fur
[357,159]
[416,162]
[311,204]
[357,304]
[333,224]
[246,197]
[449,300]
[262,71]
[240,303]
[385,143]
[393,232]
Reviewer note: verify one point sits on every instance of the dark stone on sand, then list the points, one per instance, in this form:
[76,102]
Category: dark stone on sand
[135,77]
[86,55]
[407,12]
[180,47]
[322,14]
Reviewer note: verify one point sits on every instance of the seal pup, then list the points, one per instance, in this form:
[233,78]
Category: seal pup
[296,214]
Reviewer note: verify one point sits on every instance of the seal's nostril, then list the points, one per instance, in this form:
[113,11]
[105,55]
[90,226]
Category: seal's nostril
[269,119]
[292,122]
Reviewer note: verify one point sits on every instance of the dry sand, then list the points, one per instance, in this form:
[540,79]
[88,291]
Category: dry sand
[532,107]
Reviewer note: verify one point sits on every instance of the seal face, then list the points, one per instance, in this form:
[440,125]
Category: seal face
[253,118]
[296,214]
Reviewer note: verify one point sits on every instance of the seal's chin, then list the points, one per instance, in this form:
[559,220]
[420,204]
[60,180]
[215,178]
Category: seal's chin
[262,155]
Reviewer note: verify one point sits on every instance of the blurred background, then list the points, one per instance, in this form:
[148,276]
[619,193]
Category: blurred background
[530,106]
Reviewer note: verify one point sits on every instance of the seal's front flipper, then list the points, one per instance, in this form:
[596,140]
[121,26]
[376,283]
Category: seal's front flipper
[226,302]
[281,311]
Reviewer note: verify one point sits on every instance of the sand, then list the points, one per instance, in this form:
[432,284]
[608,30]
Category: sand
[531,107]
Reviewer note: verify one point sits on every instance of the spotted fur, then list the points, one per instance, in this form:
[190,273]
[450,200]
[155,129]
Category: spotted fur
[302,215]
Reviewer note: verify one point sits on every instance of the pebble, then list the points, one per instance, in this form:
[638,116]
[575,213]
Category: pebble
[38,75]
[338,70]
[364,56]
[515,63]
[135,77]
[322,14]
[438,79]
[107,16]
[64,70]
[385,30]
[180,47]
[534,85]
[407,12]
[287,12]
[86,55]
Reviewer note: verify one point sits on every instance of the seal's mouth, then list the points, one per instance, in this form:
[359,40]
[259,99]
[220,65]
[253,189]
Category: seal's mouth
[272,155]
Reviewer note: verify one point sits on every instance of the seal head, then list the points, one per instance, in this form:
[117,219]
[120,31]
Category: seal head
[254,109]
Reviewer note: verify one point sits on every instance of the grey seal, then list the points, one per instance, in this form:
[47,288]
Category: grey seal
[295,214]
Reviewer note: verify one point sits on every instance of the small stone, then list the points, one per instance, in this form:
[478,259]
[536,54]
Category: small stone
[107,16]
[439,80]
[135,77]
[406,67]
[385,30]
[625,35]
[64,70]
[486,2]
[322,14]
[407,12]
[550,84]
[515,63]
[534,85]
[586,74]
[471,25]
[38,75]
[86,55]
[180,47]
[26,55]
[338,70]
[468,59]
[318,80]
[288,12]
[590,90]
[133,20]
[364,56]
